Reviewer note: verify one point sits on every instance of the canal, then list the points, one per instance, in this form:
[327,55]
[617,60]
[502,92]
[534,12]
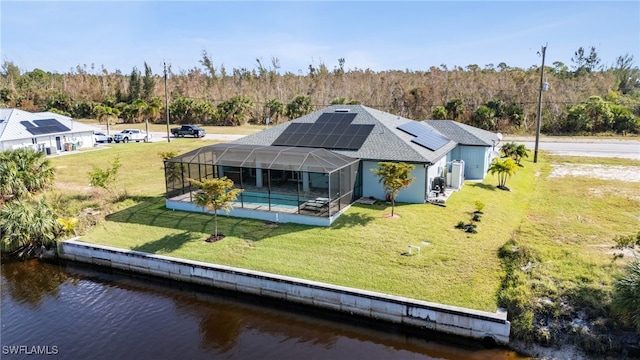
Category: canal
[72,311]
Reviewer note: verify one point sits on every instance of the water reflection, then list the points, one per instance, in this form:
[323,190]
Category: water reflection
[29,282]
[103,315]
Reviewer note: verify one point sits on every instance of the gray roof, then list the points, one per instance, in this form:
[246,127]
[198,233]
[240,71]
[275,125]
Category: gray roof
[464,134]
[384,143]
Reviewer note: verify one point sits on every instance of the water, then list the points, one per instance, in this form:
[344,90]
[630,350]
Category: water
[71,311]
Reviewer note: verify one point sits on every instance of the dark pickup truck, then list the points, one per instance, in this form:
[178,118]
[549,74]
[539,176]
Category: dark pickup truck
[188,130]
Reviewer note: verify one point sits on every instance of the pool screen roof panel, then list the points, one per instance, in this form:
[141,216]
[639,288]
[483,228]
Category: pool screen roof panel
[268,157]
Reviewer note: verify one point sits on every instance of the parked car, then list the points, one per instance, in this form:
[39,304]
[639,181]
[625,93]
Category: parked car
[131,135]
[188,130]
[101,137]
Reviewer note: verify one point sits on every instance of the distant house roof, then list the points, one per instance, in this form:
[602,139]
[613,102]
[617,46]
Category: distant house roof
[18,124]
[384,141]
[464,134]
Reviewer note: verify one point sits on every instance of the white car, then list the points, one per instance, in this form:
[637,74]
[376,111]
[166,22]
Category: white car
[101,137]
[131,135]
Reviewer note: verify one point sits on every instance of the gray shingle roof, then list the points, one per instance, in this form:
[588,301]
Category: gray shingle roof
[464,134]
[384,143]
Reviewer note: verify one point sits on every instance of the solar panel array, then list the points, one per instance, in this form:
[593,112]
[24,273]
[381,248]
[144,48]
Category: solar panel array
[46,126]
[330,131]
[424,136]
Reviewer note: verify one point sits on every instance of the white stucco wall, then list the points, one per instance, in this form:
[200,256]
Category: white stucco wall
[81,139]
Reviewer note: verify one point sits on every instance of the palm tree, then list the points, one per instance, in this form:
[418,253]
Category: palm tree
[300,106]
[23,172]
[152,110]
[520,152]
[626,298]
[505,168]
[217,194]
[514,151]
[275,109]
[508,149]
[235,111]
[26,225]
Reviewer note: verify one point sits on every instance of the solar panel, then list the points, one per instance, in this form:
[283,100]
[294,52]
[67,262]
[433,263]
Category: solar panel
[47,122]
[330,131]
[336,118]
[424,136]
[45,126]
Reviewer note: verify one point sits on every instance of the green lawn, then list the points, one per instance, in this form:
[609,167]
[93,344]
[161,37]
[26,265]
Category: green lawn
[566,224]
[210,129]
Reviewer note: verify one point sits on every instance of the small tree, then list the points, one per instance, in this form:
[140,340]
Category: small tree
[107,177]
[394,177]
[217,194]
[519,153]
[508,149]
[505,168]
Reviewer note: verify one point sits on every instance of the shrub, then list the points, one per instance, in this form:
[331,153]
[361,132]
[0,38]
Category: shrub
[107,177]
[479,206]
[626,295]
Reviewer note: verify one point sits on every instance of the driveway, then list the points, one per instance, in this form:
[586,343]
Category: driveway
[629,149]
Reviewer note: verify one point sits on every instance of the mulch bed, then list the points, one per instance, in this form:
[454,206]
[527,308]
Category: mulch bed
[214,238]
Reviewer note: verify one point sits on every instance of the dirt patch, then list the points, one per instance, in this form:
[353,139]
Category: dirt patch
[61,186]
[604,172]
[389,216]
[602,192]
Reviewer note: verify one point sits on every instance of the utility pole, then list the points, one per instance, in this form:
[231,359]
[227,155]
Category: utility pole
[166,101]
[535,153]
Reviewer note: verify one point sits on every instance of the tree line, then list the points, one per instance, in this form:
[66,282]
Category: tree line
[584,98]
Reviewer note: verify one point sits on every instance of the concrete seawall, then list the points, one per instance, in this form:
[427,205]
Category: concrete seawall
[421,314]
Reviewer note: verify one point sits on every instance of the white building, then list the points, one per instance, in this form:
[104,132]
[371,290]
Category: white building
[45,131]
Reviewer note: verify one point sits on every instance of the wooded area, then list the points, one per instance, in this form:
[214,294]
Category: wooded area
[586,99]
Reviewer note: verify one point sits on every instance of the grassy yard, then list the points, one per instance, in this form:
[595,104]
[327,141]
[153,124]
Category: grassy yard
[565,223]
[246,129]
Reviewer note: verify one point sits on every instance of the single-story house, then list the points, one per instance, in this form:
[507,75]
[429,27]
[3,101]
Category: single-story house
[476,147]
[310,169]
[43,131]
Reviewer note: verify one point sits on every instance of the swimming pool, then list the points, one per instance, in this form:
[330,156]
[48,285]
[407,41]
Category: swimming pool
[259,200]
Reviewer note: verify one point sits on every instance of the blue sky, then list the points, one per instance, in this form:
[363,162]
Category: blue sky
[56,36]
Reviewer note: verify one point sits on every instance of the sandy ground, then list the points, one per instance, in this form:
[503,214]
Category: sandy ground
[605,172]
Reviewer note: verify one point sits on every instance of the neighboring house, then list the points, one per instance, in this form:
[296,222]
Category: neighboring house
[476,147]
[44,131]
[310,169]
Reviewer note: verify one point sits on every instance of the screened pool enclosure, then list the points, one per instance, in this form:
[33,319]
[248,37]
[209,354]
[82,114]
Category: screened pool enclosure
[282,184]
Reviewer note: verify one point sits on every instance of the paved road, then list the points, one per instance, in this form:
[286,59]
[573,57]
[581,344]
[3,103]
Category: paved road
[629,149]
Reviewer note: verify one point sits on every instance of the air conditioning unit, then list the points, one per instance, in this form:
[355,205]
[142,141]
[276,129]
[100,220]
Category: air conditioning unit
[457,174]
